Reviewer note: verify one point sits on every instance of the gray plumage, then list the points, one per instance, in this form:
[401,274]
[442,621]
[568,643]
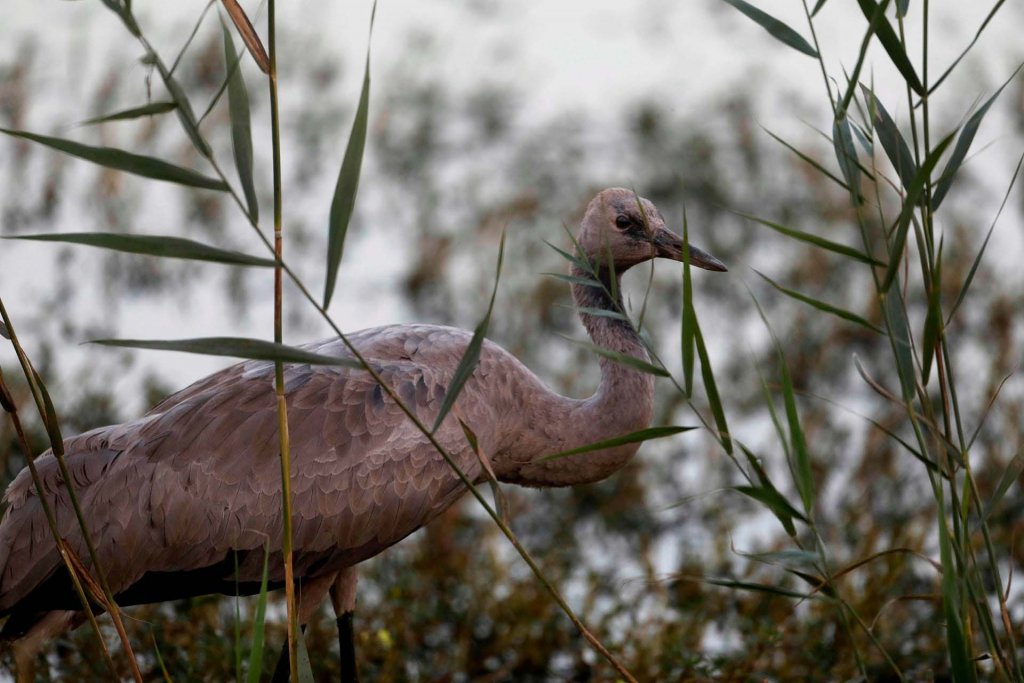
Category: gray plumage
[171,496]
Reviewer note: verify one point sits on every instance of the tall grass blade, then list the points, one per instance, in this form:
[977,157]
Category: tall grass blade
[348,180]
[689,317]
[977,34]
[185,114]
[823,306]
[754,587]
[817,7]
[775,27]
[49,413]
[802,475]
[893,142]
[933,319]
[959,654]
[121,160]
[600,313]
[241,128]
[237,623]
[981,252]
[500,503]
[621,358]
[258,622]
[777,503]
[3,331]
[471,356]
[846,155]
[151,245]
[914,193]
[883,30]
[963,144]
[711,387]
[249,36]
[1011,475]
[899,330]
[305,668]
[575,280]
[191,36]
[151,109]
[809,159]
[821,243]
[234,347]
[580,263]
[854,78]
[160,660]
[633,437]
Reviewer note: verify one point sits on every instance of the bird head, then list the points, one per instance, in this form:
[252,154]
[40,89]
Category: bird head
[624,229]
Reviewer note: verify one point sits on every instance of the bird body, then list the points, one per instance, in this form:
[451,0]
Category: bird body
[173,498]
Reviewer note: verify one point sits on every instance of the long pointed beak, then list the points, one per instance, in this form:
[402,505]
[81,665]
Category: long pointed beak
[669,245]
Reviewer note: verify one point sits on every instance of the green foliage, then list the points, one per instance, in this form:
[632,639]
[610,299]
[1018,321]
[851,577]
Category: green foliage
[842,593]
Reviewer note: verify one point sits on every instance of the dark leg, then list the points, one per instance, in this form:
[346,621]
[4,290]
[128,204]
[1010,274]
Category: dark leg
[283,668]
[347,648]
[343,599]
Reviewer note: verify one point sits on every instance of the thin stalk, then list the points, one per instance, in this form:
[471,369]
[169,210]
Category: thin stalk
[57,447]
[282,406]
[51,521]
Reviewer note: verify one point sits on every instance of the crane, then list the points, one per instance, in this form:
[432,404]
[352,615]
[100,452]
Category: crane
[178,498]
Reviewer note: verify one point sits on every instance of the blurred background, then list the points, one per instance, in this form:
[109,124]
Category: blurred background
[489,116]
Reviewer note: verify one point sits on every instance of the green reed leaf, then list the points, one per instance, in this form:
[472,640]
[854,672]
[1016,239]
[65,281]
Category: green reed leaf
[302,656]
[621,358]
[846,155]
[241,128]
[258,622]
[981,252]
[914,193]
[711,387]
[820,242]
[893,142]
[575,280]
[883,30]
[1011,475]
[151,245]
[471,356]
[152,109]
[810,160]
[689,317]
[633,437]
[775,27]
[121,160]
[963,144]
[823,306]
[956,642]
[234,347]
[802,474]
[348,179]
[933,319]
[753,587]
[899,331]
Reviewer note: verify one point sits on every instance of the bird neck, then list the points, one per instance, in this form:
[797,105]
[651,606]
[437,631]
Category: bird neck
[623,402]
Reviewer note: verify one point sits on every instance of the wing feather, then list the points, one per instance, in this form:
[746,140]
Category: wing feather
[199,477]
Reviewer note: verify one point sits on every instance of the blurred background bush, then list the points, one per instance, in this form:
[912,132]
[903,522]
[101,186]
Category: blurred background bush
[487,116]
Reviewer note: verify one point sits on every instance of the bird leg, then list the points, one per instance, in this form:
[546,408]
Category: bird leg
[26,648]
[342,587]
[311,595]
[343,598]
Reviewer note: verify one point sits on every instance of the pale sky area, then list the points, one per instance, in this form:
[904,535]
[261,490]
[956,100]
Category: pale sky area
[592,56]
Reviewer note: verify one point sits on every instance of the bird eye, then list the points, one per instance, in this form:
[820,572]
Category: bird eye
[622,221]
